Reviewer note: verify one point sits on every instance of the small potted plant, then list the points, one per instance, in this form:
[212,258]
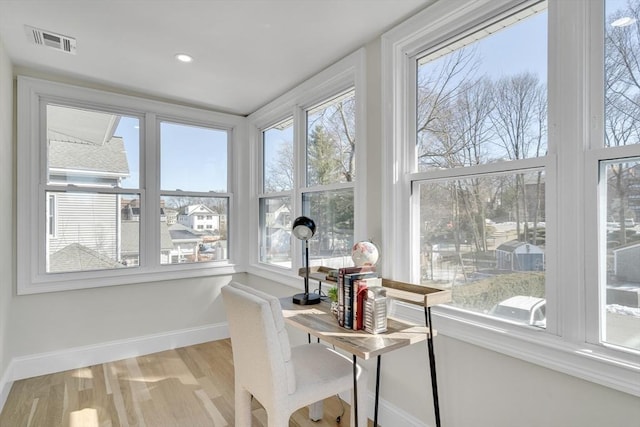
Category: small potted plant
[332,293]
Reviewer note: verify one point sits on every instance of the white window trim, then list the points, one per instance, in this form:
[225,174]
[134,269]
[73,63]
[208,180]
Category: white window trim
[566,346]
[30,208]
[346,73]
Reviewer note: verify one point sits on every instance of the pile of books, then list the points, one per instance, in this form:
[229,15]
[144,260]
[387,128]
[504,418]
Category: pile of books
[353,283]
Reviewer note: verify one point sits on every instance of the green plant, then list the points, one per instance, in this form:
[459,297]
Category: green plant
[332,293]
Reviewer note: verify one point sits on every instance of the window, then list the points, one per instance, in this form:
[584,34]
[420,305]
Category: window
[306,142]
[277,183]
[620,272]
[110,192]
[327,192]
[88,177]
[330,173]
[619,181]
[188,180]
[481,207]
[519,199]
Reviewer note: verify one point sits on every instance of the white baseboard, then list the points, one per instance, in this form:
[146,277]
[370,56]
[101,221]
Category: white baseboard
[388,414]
[391,415]
[78,357]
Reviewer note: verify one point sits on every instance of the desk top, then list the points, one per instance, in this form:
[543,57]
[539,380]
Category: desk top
[318,321]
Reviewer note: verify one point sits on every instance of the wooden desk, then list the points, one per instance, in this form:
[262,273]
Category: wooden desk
[318,321]
[365,345]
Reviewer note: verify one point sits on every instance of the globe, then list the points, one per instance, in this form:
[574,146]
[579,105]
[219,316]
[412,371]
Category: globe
[364,253]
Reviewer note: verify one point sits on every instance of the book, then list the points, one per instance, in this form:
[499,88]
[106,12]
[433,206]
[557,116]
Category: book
[342,291]
[350,292]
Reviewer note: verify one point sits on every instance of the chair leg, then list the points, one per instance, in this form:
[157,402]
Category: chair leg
[243,407]
[276,418]
[316,411]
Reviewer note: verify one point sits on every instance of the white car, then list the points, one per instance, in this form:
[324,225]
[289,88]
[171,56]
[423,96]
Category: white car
[522,309]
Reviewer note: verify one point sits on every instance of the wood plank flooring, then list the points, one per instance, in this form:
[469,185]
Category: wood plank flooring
[185,387]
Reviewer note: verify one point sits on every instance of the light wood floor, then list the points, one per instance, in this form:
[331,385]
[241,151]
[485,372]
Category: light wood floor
[186,387]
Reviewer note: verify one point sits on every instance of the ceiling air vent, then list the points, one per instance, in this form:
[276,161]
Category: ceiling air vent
[51,39]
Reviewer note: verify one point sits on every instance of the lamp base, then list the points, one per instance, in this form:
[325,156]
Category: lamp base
[306,299]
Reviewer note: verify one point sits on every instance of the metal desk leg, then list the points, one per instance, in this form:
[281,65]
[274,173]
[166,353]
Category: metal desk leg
[375,413]
[432,365]
[355,391]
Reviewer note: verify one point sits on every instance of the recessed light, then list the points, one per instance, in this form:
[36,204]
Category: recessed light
[625,21]
[183,57]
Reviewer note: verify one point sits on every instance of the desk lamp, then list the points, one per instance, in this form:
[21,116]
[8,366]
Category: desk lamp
[304,228]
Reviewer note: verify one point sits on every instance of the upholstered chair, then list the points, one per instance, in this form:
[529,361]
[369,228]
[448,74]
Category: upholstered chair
[283,379]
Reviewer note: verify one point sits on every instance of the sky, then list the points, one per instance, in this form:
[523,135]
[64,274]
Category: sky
[516,49]
[192,158]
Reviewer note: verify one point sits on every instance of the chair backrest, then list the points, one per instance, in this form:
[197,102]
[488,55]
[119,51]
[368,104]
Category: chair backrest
[261,347]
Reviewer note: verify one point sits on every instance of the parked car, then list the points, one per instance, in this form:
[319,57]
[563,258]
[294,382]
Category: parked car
[522,309]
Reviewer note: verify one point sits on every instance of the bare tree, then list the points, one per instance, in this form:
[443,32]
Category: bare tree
[622,104]
[437,90]
[519,118]
[279,175]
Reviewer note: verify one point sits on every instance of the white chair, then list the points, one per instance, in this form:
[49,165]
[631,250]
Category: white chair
[283,379]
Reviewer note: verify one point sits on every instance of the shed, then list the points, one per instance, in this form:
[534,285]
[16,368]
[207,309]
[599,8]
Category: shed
[625,263]
[519,256]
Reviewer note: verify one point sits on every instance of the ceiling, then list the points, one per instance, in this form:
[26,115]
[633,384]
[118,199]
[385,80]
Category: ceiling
[246,52]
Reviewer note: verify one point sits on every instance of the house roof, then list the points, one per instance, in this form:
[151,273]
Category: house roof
[109,157]
[180,232]
[131,237]
[81,140]
[195,209]
[513,245]
[80,126]
[76,257]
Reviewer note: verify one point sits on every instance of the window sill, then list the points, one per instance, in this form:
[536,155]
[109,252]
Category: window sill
[90,280]
[533,345]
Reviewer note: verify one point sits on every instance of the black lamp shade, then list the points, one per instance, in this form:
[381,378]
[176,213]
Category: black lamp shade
[303,228]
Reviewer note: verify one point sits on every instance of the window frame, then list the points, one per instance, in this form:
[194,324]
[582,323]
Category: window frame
[33,94]
[346,74]
[570,342]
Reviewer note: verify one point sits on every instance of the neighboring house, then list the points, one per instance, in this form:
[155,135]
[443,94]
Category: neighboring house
[200,218]
[519,256]
[130,242]
[83,150]
[186,243]
[278,232]
[76,257]
[130,252]
[171,215]
[280,218]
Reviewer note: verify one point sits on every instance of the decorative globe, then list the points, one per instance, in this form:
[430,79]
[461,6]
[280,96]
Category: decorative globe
[364,253]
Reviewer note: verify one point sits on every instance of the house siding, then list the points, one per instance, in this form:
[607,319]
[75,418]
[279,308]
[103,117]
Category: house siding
[91,220]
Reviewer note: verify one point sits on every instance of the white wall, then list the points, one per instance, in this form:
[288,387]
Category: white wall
[62,320]
[6,204]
